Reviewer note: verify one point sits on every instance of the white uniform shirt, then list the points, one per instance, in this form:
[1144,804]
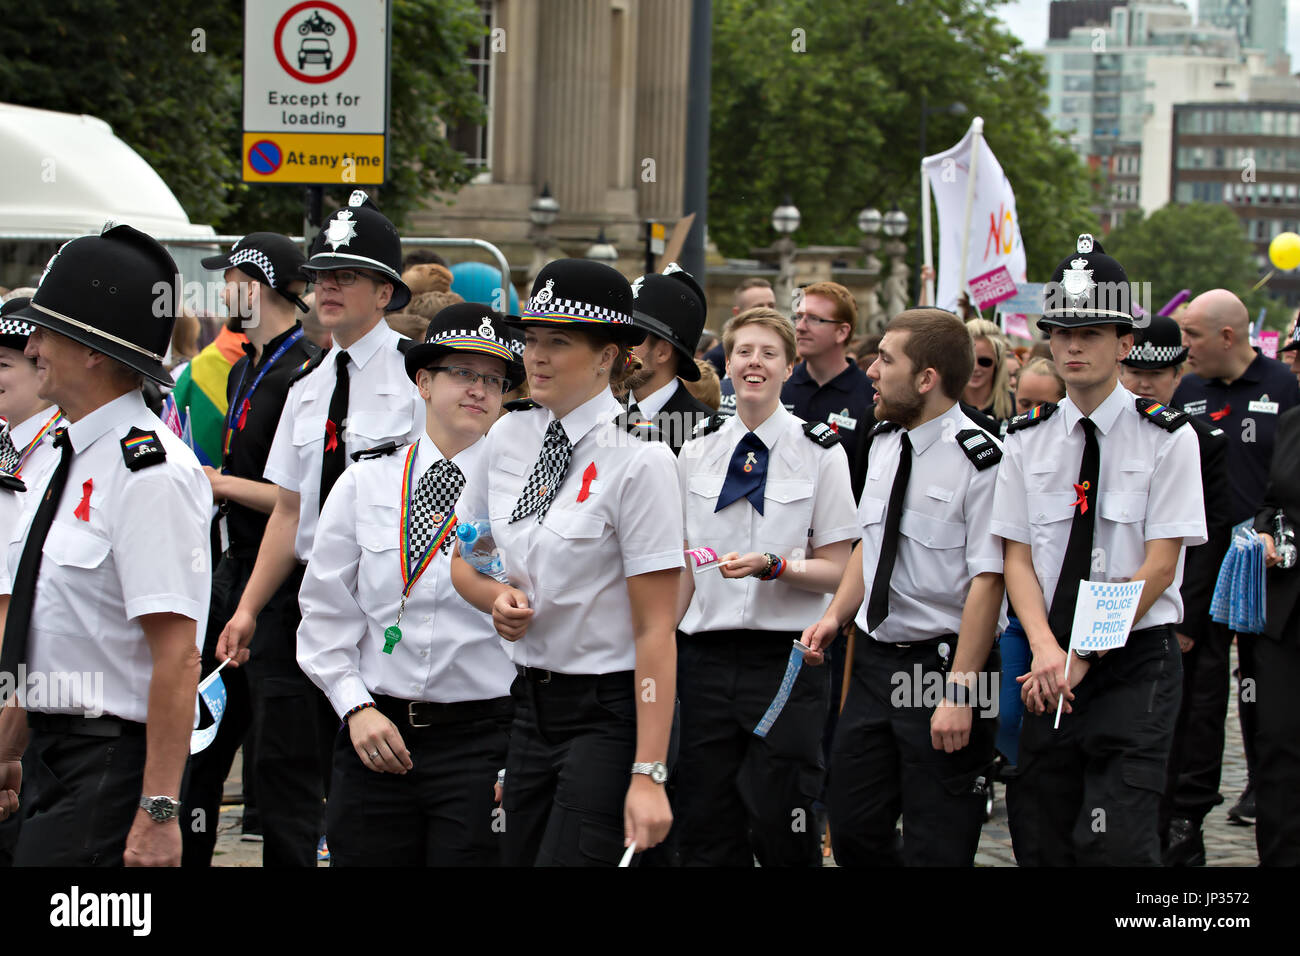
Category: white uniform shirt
[383,405]
[351,592]
[573,565]
[807,503]
[35,471]
[653,403]
[944,537]
[1149,487]
[145,550]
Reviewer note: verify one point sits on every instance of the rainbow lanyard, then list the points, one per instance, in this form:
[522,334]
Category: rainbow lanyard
[239,407]
[31,445]
[410,575]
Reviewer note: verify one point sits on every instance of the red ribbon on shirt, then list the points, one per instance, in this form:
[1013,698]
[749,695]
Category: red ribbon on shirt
[1221,414]
[243,415]
[588,476]
[331,436]
[83,509]
[1082,500]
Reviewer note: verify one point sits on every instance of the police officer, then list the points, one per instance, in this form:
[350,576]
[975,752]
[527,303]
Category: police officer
[769,493]
[931,613]
[671,308]
[263,292]
[1152,371]
[1103,485]
[354,396]
[418,677]
[107,574]
[584,515]
[1234,386]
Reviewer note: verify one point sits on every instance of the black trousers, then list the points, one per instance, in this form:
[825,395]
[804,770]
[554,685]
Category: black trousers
[1089,793]
[1196,754]
[1247,697]
[740,796]
[884,766]
[439,813]
[1277,771]
[80,796]
[206,773]
[572,745]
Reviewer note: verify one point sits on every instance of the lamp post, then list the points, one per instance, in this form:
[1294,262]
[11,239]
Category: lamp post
[952,109]
[785,220]
[602,250]
[895,227]
[542,211]
[870,222]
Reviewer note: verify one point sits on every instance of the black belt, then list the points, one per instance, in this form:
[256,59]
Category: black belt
[908,645]
[538,675]
[106,726]
[427,713]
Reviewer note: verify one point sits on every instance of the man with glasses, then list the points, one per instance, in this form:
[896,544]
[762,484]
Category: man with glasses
[353,397]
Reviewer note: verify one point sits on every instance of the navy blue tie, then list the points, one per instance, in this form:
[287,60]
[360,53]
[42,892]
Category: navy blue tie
[746,475]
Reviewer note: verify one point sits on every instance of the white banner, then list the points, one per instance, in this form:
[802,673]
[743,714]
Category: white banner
[978,224]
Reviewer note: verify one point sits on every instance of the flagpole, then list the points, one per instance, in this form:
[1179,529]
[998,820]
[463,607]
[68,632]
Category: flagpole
[977,136]
[927,287]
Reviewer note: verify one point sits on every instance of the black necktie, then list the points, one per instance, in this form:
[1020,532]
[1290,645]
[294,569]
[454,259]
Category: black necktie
[634,411]
[878,604]
[1077,565]
[548,473]
[746,475]
[336,453]
[14,650]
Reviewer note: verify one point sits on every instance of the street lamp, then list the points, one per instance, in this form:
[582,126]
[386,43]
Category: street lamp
[895,222]
[869,221]
[785,217]
[785,220]
[602,250]
[543,210]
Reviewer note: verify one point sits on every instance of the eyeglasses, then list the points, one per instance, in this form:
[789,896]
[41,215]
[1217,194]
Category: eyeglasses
[468,377]
[814,319]
[983,361]
[343,277]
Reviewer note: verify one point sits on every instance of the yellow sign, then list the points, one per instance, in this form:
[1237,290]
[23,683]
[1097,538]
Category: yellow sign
[314,159]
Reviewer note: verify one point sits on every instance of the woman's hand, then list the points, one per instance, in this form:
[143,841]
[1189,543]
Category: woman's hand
[511,614]
[735,565]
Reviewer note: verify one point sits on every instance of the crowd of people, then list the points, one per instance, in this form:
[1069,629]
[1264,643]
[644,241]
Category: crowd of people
[583,583]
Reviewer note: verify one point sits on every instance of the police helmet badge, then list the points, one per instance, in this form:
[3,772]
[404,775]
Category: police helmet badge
[544,295]
[636,286]
[341,231]
[1077,280]
[1085,243]
[485,330]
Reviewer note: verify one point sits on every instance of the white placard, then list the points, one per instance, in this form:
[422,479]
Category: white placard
[1103,614]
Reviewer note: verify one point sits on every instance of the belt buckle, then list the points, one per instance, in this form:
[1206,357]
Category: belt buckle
[541,680]
[410,716]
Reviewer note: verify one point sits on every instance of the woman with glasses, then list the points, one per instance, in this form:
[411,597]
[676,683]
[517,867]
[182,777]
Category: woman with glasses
[588,521]
[989,390]
[416,674]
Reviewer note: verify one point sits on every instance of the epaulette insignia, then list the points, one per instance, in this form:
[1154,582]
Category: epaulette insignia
[1035,416]
[140,449]
[307,367]
[11,482]
[637,425]
[821,433]
[707,426]
[1167,418]
[982,450]
[881,428]
[379,451]
[520,405]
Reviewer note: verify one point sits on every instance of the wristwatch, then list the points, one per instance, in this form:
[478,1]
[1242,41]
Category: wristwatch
[955,692]
[1090,656]
[160,809]
[658,772]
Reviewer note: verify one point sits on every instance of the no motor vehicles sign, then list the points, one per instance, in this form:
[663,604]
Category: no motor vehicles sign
[316,91]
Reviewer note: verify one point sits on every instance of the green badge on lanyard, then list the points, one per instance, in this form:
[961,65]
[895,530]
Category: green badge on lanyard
[391,636]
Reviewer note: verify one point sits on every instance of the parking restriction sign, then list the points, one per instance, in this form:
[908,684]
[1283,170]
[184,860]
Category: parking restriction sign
[316,91]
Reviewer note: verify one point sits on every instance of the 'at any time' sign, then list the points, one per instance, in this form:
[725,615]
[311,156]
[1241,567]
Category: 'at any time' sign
[316,91]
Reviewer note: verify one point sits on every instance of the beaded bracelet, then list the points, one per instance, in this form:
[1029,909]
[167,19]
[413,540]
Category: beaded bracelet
[776,570]
[358,709]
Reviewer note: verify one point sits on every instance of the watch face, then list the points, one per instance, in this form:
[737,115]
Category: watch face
[659,773]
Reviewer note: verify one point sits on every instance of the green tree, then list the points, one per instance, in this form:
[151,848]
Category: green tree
[837,126]
[175,96]
[1197,246]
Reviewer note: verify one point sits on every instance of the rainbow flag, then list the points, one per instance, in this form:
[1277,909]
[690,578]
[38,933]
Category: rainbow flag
[200,393]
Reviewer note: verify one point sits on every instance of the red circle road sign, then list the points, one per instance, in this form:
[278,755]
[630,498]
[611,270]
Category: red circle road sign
[298,74]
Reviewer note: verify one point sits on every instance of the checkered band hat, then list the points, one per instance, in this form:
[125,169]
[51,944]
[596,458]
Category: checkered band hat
[1160,345]
[14,331]
[583,292]
[469,327]
[267,257]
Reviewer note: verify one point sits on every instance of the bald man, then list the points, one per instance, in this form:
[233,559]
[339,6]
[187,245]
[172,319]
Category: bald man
[1243,392]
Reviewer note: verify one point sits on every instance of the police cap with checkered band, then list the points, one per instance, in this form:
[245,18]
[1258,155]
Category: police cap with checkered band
[1088,288]
[14,331]
[269,258]
[1159,345]
[582,293]
[469,327]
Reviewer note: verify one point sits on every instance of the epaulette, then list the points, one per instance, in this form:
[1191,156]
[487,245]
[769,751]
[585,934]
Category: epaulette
[309,366]
[982,450]
[821,433]
[405,345]
[637,425]
[379,451]
[11,482]
[881,428]
[707,426]
[520,405]
[1170,419]
[1035,416]
[141,449]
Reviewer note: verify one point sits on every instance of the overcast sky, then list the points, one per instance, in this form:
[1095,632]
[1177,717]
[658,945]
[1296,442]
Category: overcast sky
[1028,20]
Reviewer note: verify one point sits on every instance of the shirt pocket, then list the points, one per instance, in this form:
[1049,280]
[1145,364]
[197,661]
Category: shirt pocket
[870,511]
[571,555]
[379,570]
[77,584]
[370,427]
[1123,507]
[1048,513]
[704,526]
[787,517]
[505,484]
[930,532]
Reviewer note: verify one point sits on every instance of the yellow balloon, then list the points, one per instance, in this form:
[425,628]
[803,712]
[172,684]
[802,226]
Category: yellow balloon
[1284,251]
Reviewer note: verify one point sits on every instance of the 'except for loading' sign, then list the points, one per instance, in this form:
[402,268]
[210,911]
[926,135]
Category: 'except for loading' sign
[264,156]
[315,42]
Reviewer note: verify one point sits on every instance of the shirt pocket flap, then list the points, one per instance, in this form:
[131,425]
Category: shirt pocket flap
[1046,507]
[512,466]
[309,429]
[870,511]
[707,486]
[378,425]
[73,548]
[375,537]
[1122,506]
[1040,465]
[786,491]
[930,531]
[572,524]
[939,494]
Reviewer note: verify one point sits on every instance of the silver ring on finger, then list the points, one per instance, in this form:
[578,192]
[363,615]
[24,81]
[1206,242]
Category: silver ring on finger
[375,755]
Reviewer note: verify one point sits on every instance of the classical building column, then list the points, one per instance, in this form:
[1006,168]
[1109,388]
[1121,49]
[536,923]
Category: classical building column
[663,61]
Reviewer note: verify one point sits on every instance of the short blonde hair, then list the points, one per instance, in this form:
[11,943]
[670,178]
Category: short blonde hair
[768,319]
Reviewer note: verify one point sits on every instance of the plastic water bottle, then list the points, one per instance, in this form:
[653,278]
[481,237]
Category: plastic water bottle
[479,549]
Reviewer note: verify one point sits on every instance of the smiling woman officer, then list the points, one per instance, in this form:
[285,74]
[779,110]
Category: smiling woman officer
[417,675]
[583,514]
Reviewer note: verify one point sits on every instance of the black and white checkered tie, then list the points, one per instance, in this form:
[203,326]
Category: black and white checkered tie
[8,453]
[435,496]
[548,473]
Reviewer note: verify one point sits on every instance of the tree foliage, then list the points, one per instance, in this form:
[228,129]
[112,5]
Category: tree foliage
[174,95]
[837,126]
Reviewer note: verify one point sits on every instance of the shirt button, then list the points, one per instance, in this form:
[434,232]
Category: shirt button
[1041,516]
[424,653]
[428,619]
[1124,512]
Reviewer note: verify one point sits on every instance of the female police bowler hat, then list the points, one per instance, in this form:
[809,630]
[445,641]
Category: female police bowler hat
[582,292]
[1160,345]
[14,332]
[359,236]
[118,293]
[469,327]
